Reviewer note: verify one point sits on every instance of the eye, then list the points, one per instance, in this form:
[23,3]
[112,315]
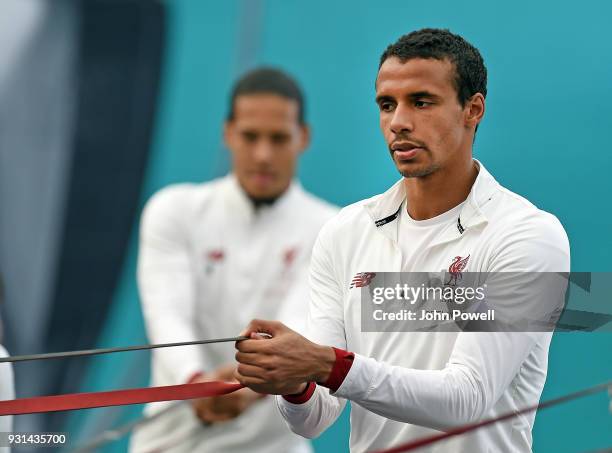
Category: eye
[386,106]
[421,104]
[279,139]
[249,137]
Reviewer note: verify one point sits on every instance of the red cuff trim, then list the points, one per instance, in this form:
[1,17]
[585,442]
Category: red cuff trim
[301,398]
[194,377]
[344,361]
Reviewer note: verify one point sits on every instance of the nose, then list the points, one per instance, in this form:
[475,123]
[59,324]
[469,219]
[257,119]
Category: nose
[263,151]
[402,120]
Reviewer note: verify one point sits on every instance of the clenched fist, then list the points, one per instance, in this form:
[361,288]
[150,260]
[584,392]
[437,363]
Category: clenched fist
[282,364]
[225,407]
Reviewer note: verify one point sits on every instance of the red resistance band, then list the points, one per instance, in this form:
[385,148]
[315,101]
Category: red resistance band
[116,397]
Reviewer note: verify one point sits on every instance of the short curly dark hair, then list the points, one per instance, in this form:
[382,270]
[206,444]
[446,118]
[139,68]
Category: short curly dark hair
[471,73]
[267,80]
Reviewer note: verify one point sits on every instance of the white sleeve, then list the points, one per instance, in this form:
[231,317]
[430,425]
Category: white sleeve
[165,284]
[294,307]
[479,370]
[326,327]
[481,365]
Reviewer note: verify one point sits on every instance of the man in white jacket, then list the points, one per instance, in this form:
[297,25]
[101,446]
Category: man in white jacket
[214,255]
[446,213]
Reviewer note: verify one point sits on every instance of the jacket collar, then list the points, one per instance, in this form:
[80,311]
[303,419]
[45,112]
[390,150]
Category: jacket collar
[243,207]
[385,209]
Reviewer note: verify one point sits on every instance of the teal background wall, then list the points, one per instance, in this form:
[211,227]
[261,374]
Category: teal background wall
[545,136]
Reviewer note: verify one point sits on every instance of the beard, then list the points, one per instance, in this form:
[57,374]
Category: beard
[258,202]
[419,172]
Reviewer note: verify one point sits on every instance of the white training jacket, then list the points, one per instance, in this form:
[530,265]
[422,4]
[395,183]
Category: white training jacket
[209,263]
[405,385]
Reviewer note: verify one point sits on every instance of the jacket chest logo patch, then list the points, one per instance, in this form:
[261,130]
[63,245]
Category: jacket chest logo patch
[213,257]
[362,279]
[455,269]
[289,256]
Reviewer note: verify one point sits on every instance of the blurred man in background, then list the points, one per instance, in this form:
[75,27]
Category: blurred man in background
[214,255]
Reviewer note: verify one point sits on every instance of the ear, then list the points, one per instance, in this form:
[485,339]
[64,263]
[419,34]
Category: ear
[227,134]
[474,110]
[305,137]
